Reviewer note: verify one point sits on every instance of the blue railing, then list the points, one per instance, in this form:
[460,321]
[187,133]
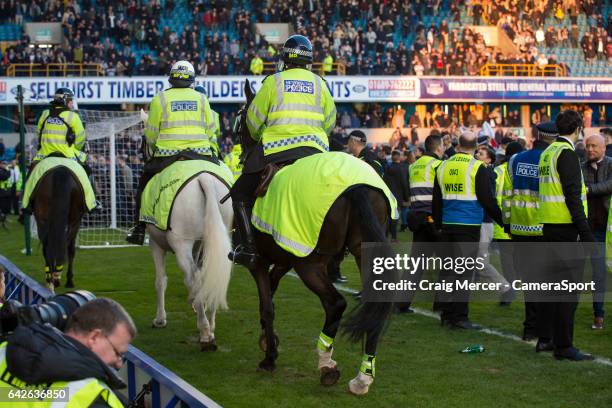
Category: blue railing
[167,390]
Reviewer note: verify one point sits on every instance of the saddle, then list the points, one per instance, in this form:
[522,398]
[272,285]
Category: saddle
[266,178]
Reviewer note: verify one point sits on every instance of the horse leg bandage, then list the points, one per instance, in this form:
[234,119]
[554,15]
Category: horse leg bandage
[368,365]
[325,348]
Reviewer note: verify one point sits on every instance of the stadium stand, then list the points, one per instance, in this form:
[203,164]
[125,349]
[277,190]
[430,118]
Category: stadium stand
[377,37]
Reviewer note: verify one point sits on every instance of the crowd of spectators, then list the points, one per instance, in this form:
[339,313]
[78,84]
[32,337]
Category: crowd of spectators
[378,37]
[535,24]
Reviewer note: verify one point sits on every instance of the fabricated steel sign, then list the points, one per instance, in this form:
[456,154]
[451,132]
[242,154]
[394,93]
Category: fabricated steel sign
[230,89]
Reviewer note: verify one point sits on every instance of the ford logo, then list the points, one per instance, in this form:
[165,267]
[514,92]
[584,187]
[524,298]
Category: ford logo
[359,88]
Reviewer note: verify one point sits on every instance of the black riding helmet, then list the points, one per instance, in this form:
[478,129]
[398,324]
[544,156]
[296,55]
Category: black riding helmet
[63,96]
[297,51]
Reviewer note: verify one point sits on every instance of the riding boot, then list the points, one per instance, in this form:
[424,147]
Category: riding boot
[136,234]
[245,252]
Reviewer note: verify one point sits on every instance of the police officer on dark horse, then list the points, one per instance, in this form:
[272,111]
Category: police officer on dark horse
[289,119]
[58,201]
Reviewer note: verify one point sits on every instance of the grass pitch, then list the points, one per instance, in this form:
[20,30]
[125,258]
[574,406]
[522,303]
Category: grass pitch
[418,363]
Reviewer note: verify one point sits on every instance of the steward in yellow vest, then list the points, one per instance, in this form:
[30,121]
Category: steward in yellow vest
[421,178]
[180,126]
[233,160]
[74,370]
[523,182]
[562,209]
[462,194]
[290,117]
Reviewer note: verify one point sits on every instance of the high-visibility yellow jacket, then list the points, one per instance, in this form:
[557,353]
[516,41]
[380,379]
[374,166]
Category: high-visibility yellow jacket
[61,133]
[214,141]
[503,194]
[179,119]
[551,201]
[328,64]
[256,66]
[68,394]
[292,109]
[233,161]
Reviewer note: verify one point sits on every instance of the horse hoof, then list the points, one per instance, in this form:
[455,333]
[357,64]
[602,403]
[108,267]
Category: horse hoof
[69,284]
[159,324]
[360,385]
[263,342]
[329,375]
[208,345]
[266,366]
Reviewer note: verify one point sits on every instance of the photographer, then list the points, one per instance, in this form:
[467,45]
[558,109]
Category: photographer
[82,360]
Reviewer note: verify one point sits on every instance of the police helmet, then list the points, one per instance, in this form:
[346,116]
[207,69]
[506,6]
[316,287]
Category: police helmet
[63,96]
[182,74]
[546,130]
[297,51]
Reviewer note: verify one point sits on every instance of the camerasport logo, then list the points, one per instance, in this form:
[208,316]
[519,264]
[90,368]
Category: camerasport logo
[2,91]
[393,88]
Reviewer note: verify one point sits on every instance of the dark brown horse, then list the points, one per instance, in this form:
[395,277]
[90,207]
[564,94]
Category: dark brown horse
[58,205]
[357,216]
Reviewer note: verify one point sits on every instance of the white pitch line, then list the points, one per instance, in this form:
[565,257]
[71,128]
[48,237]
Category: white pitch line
[427,313]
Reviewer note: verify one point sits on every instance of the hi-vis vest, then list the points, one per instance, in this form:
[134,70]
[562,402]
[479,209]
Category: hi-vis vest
[524,183]
[457,180]
[180,119]
[233,161]
[502,195]
[422,174]
[292,109]
[551,202]
[53,132]
[76,394]
[214,140]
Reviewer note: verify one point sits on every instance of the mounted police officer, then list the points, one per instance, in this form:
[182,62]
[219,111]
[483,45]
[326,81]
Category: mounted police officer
[82,361]
[60,130]
[180,126]
[291,117]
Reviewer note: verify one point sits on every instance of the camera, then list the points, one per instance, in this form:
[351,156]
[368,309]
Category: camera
[56,310]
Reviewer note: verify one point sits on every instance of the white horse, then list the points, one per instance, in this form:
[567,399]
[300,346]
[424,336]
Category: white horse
[199,234]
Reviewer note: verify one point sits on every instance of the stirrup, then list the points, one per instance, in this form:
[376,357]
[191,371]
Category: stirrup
[241,256]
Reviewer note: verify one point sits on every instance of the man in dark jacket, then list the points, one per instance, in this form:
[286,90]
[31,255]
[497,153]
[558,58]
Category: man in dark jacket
[561,211]
[357,146]
[597,171]
[396,178]
[91,349]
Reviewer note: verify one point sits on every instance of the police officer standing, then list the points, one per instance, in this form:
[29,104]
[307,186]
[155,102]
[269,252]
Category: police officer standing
[82,361]
[180,126]
[421,177]
[462,194]
[291,117]
[525,229]
[357,146]
[562,209]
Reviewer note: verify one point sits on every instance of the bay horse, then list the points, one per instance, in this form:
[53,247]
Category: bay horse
[357,216]
[58,207]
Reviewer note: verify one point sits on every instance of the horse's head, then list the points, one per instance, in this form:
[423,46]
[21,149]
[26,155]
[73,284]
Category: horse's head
[240,127]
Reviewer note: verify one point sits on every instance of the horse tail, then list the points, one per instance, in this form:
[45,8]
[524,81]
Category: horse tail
[59,211]
[214,274]
[368,318]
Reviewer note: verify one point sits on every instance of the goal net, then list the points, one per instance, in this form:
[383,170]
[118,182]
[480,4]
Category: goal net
[114,140]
